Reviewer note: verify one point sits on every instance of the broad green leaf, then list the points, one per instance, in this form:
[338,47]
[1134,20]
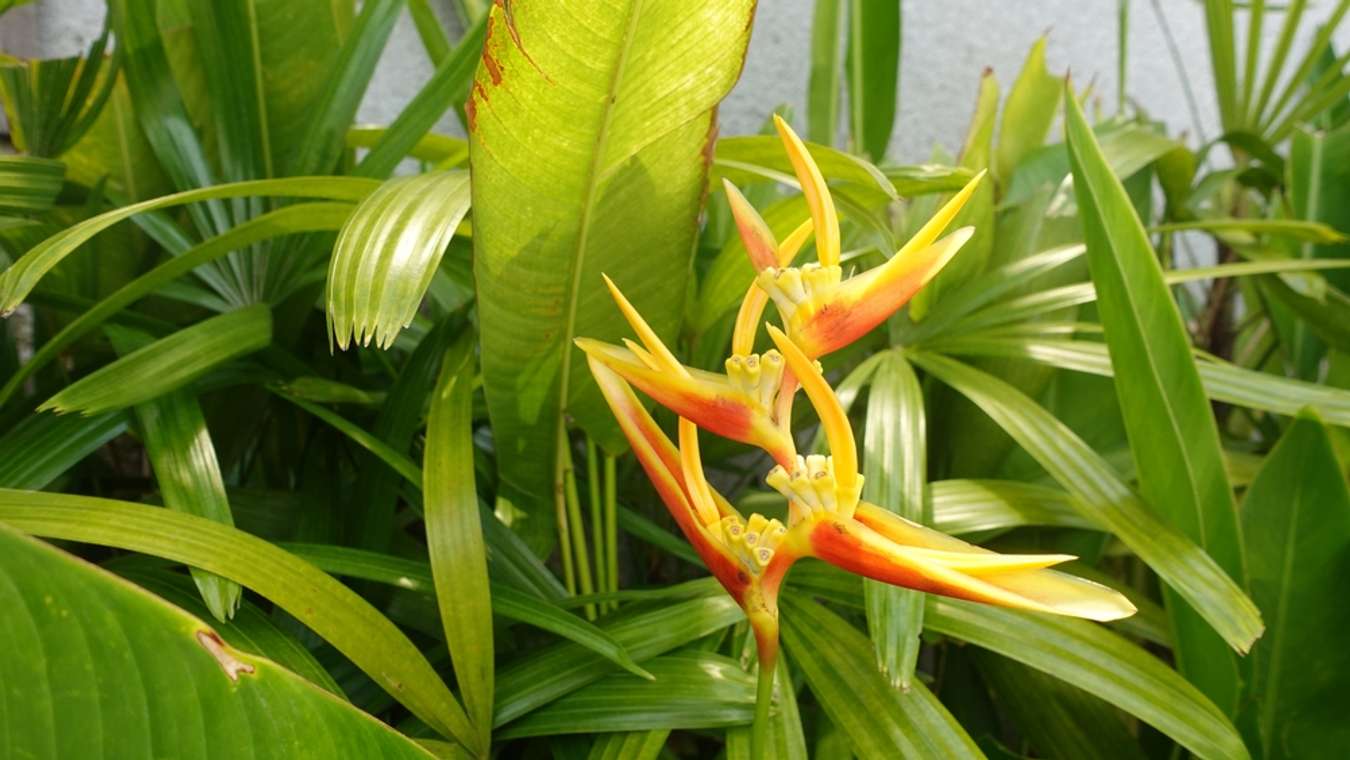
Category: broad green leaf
[167,364]
[873,74]
[122,671]
[1296,524]
[323,604]
[251,629]
[43,446]
[18,281]
[827,71]
[1105,499]
[387,253]
[692,690]
[1028,113]
[303,217]
[561,669]
[1223,381]
[188,474]
[895,462]
[506,601]
[1318,180]
[455,535]
[29,184]
[589,131]
[878,719]
[1168,420]
[299,45]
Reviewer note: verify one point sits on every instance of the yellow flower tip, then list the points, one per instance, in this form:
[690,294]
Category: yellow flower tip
[838,432]
[815,190]
[946,250]
[644,331]
[787,250]
[691,465]
[759,241]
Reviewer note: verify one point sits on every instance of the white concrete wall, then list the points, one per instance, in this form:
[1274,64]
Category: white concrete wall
[947,43]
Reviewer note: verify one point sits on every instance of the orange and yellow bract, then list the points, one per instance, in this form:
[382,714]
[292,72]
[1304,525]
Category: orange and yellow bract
[752,403]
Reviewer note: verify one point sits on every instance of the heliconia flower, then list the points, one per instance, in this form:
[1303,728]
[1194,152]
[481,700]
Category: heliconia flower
[746,556]
[821,310]
[830,522]
[739,405]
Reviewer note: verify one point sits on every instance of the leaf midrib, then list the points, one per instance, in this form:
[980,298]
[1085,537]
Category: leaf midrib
[588,209]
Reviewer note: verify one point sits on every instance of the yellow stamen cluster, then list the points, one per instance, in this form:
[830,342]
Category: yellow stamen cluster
[792,286]
[813,488]
[752,542]
[759,376]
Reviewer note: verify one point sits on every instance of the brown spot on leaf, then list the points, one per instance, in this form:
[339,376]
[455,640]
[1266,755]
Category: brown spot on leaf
[213,644]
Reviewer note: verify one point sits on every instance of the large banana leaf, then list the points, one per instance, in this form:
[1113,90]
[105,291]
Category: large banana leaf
[1168,420]
[590,127]
[122,673]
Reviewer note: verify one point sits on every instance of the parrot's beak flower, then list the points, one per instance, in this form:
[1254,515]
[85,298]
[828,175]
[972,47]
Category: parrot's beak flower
[821,309]
[739,405]
[752,402]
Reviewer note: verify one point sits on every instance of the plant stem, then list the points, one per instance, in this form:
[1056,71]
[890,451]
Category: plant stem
[597,522]
[577,529]
[612,525]
[560,504]
[759,735]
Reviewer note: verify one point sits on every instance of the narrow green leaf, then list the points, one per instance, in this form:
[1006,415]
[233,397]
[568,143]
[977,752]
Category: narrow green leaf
[746,158]
[972,506]
[873,74]
[448,88]
[1057,719]
[895,461]
[302,217]
[1168,421]
[1099,662]
[1223,381]
[692,690]
[43,446]
[827,71]
[1294,229]
[976,155]
[603,172]
[398,462]
[506,601]
[29,184]
[429,29]
[878,719]
[558,670]
[167,364]
[323,604]
[126,664]
[1223,60]
[1296,522]
[1028,113]
[388,252]
[18,281]
[332,113]
[1105,499]
[184,459]
[455,536]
